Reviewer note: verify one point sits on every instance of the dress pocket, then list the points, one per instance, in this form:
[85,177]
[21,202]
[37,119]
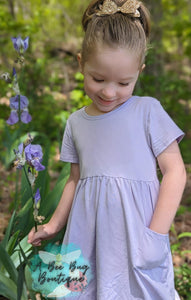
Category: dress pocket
[153,250]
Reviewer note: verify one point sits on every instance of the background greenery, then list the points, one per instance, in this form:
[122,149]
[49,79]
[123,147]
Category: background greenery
[55,38]
[54,87]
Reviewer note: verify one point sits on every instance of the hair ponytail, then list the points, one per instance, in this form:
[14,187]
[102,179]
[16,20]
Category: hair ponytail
[90,12]
[145,20]
[115,29]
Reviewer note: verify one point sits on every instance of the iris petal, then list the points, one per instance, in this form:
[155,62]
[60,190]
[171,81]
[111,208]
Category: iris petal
[37,165]
[34,156]
[13,118]
[37,197]
[25,117]
[20,45]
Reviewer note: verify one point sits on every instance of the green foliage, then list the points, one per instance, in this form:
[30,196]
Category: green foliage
[9,276]
[78,96]
[177,35]
[183,272]
[174,95]
[183,281]
[28,17]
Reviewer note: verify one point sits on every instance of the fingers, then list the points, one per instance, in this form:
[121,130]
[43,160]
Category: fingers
[34,237]
[36,243]
[30,235]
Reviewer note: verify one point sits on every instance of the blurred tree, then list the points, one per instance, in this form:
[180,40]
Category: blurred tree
[155,62]
[54,27]
[177,35]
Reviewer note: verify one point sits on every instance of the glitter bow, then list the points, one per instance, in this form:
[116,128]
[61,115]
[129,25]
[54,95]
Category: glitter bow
[129,7]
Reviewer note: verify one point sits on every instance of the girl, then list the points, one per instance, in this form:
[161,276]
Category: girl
[119,215]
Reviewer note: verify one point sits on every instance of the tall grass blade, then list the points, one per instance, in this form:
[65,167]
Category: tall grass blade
[8,264]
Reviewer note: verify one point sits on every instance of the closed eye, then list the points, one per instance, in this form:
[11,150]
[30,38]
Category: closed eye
[124,84]
[97,80]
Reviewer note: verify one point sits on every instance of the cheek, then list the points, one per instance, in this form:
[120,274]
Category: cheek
[125,91]
[89,87]
[130,89]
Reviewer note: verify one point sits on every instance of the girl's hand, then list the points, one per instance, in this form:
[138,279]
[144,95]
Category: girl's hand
[171,188]
[43,233]
[60,216]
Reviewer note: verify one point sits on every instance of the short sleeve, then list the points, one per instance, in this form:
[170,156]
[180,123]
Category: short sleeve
[162,129]
[68,150]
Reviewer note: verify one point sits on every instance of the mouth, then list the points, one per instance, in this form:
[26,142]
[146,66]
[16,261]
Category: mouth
[105,102]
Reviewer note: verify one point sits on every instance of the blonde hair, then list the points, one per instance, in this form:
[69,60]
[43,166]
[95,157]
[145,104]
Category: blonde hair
[115,30]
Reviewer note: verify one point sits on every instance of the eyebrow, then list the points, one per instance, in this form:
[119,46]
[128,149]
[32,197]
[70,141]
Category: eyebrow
[127,78]
[122,79]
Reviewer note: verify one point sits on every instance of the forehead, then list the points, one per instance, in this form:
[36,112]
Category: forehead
[117,61]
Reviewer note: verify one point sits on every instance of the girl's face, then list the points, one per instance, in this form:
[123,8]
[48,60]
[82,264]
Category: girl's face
[110,75]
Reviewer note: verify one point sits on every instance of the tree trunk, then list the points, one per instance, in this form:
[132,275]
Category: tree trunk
[11,8]
[155,57]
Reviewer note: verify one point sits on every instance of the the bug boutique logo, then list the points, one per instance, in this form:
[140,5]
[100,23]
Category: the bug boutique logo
[60,271]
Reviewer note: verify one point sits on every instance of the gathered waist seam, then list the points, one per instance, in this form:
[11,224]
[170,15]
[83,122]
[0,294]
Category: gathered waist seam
[118,177]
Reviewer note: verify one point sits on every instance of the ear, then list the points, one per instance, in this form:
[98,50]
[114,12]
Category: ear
[79,57]
[142,68]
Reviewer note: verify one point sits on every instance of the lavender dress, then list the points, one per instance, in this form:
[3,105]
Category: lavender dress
[115,199]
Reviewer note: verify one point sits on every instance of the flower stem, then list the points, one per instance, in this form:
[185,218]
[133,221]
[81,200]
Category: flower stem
[16,190]
[35,223]
[19,108]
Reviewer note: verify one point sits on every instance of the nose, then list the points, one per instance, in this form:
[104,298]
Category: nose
[108,92]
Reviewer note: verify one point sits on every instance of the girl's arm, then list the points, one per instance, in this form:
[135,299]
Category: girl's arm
[60,216]
[171,189]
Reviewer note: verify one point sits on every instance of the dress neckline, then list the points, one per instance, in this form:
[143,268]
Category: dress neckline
[105,115]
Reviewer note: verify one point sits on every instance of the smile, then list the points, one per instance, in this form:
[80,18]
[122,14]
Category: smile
[105,102]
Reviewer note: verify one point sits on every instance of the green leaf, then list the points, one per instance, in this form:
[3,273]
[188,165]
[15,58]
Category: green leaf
[25,189]
[49,204]
[20,281]
[23,255]
[11,287]
[184,234]
[185,252]
[8,231]
[25,218]
[12,241]
[29,283]
[8,264]
[7,287]
[24,210]
[27,248]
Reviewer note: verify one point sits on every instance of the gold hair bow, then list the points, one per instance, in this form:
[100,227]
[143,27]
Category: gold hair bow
[129,7]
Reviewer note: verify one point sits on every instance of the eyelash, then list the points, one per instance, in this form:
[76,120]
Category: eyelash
[124,84]
[101,80]
[97,80]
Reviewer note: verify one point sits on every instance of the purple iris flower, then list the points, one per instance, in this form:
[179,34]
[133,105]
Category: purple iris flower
[20,147]
[14,73]
[13,118]
[14,102]
[37,198]
[33,154]
[14,105]
[20,45]
[25,116]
